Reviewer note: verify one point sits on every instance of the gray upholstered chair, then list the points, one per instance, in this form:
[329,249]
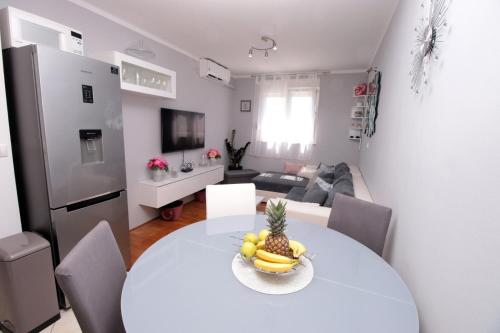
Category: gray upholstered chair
[361,220]
[92,277]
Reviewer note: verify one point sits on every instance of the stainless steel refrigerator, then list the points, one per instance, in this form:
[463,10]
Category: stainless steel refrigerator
[67,136]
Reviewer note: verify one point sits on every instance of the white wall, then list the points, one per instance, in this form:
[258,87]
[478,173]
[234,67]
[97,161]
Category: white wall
[435,161]
[10,222]
[334,120]
[141,114]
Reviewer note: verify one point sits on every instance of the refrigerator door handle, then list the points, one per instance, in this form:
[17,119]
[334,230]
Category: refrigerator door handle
[92,201]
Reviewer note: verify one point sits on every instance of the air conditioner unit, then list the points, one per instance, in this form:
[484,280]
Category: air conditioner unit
[212,70]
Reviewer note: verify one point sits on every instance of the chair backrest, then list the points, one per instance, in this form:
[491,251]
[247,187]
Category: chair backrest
[92,276]
[361,220]
[230,199]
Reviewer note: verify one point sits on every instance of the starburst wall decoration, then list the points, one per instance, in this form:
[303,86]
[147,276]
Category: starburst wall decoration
[430,34]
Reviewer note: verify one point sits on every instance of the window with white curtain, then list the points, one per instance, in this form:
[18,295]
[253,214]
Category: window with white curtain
[285,121]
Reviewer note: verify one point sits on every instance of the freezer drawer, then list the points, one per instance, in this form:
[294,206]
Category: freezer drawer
[73,222]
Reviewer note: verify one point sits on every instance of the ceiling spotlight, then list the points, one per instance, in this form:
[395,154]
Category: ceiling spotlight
[266,39]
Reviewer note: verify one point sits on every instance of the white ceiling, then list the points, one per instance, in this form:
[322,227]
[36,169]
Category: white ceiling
[339,35]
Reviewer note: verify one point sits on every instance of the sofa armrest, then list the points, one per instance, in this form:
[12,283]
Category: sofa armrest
[307,212]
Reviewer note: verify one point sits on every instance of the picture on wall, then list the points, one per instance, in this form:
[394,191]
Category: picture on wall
[246,105]
[374,78]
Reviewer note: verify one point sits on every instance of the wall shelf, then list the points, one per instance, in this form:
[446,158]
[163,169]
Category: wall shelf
[142,77]
[158,194]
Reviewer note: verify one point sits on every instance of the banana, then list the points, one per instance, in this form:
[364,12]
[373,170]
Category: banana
[297,248]
[276,258]
[272,266]
[261,244]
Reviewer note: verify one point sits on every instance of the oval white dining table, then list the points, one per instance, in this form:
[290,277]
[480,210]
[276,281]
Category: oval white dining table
[184,284]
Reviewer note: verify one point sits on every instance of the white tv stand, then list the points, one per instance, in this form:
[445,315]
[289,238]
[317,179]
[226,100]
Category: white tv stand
[158,194]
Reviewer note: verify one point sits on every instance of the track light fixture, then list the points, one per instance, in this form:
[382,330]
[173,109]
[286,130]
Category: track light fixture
[266,39]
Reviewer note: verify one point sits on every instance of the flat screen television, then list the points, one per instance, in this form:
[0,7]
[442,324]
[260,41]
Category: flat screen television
[181,130]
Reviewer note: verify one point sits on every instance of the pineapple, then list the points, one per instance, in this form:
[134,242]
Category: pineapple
[276,241]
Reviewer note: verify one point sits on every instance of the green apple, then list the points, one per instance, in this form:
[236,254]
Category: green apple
[247,250]
[263,234]
[251,237]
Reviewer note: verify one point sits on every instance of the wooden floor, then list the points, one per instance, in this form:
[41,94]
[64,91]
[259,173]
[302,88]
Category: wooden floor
[147,234]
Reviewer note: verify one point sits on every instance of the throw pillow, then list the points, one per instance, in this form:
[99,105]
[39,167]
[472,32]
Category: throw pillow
[293,168]
[323,184]
[315,195]
[342,185]
[341,169]
[326,172]
[312,180]
[296,194]
[307,172]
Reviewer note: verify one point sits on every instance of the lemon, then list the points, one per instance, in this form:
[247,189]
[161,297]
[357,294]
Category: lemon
[263,234]
[247,250]
[251,237]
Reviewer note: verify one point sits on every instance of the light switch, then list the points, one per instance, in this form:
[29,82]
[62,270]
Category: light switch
[4,150]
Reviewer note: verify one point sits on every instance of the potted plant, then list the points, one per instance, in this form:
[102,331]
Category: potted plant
[213,155]
[158,167]
[235,155]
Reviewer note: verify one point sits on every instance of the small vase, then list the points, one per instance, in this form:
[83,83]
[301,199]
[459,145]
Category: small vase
[212,161]
[158,175]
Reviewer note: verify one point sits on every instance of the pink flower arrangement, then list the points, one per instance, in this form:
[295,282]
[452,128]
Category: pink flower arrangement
[214,153]
[157,163]
[360,89]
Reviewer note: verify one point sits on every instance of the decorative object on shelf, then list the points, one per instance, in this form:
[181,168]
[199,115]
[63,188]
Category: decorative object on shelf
[356,126]
[213,155]
[374,79]
[429,35]
[235,155]
[266,50]
[173,173]
[360,90]
[158,167]
[355,134]
[204,160]
[245,105]
[187,167]
[139,50]
[357,112]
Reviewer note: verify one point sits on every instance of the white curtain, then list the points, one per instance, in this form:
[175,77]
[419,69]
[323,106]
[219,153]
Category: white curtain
[284,125]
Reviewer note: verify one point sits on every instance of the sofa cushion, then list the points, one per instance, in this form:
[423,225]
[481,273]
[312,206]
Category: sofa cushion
[340,170]
[296,194]
[292,168]
[323,184]
[318,192]
[342,185]
[326,172]
[308,171]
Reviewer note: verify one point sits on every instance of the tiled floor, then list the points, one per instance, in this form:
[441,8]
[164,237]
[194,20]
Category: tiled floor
[67,324]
